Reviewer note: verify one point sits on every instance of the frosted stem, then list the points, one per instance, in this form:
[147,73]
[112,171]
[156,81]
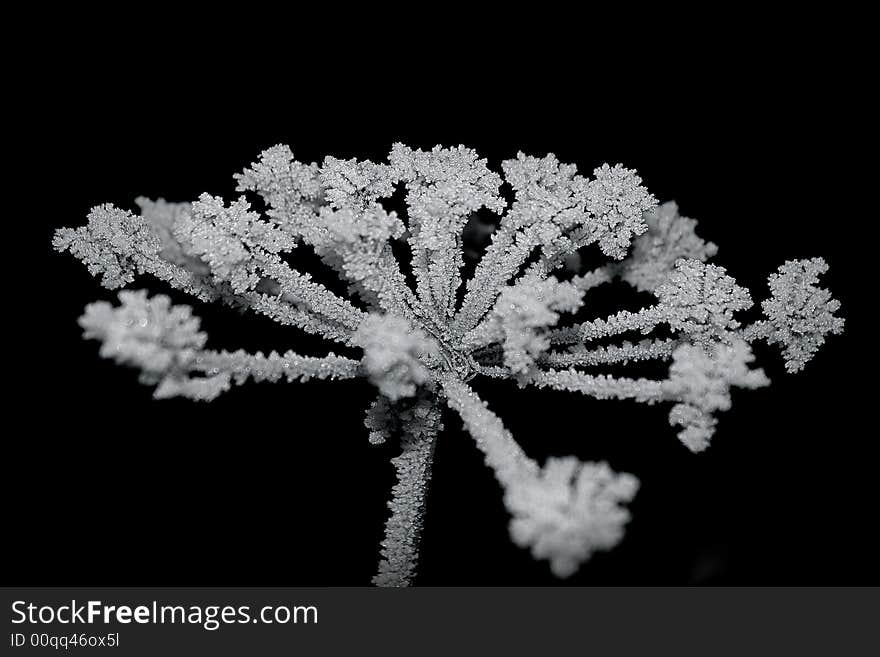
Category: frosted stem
[400,547]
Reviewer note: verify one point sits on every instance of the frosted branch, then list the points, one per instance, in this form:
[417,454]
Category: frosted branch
[599,386]
[501,451]
[564,511]
[444,186]
[627,352]
[164,342]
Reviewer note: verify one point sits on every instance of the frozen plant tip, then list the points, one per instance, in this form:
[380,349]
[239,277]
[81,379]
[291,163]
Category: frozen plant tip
[421,340]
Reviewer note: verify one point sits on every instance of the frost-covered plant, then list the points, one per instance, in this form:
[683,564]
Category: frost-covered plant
[421,343]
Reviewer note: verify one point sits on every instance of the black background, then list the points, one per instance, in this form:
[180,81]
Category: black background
[276,484]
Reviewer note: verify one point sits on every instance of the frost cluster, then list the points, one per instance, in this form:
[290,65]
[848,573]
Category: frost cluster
[420,342]
[570,510]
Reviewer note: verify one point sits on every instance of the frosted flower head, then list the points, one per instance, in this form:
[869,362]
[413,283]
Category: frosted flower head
[282,182]
[163,218]
[148,333]
[540,177]
[425,332]
[669,238]
[616,200]
[800,313]
[701,382]
[114,245]
[354,184]
[451,180]
[569,510]
[546,191]
[366,229]
[701,299]
[231,240]
[394,354]
[523,311]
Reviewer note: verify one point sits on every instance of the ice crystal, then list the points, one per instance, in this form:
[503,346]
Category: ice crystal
[420,345]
